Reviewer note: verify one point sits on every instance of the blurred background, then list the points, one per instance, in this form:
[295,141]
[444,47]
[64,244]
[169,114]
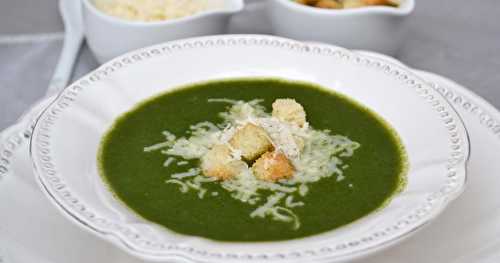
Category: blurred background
[459,39]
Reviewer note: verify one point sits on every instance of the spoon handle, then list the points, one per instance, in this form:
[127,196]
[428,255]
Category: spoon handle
[72,17]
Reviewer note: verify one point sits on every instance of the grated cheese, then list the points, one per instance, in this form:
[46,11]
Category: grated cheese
[272,200]
[155,10]
[224,100]
[289,202]
[201,193]
[157,146]
[189,173]
[182,163]
[288,216]
[169,137]
[184,188]
[168,162]
[322,156]
[303,189]
[282,136]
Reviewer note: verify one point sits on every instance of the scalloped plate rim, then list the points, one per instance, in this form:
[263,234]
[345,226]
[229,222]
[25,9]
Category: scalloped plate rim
[119,240]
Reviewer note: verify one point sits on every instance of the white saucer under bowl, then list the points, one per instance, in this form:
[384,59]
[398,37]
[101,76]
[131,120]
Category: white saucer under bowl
[65,141]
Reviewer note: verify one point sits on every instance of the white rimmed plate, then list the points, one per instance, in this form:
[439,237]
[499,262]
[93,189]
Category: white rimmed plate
[65,140]
[22,202]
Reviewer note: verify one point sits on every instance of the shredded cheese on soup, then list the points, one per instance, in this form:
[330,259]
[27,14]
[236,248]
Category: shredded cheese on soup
[323,155]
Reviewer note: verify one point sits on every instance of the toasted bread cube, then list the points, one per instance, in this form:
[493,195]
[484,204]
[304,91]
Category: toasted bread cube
[252,141]
[329,4]
[288,110]
[354,3]
[273,166]
[219,163]
[382,2]
[308,2]
[361,3]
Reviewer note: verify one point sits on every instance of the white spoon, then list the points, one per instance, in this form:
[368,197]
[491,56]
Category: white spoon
[73,37]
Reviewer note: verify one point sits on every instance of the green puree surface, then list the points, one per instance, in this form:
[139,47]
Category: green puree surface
[376,171]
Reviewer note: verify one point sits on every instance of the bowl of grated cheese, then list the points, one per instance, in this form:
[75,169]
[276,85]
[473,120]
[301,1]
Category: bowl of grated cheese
[114,27]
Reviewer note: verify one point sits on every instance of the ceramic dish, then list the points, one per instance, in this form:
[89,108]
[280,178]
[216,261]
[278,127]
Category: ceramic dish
[108,36]
[19,244]
[433,134]
[25,203]
[377,28]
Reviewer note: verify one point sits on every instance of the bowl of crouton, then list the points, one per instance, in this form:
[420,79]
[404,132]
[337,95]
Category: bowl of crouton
[357,24]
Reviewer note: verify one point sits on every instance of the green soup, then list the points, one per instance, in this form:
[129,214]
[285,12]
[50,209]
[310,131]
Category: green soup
[376,171]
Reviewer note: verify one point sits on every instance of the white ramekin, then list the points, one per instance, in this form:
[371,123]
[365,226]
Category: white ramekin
[377,28]
[108,36]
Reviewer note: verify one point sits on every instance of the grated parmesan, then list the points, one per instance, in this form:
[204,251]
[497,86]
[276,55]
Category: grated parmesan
[303,189]
[272,200]
[184,188]
[168,162]
[182,163]
[157,146]
[321,156]
[155,10]
[189,173]
[289,202]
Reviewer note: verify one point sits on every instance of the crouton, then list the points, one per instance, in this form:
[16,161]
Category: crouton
[354,3]
[219,163]
[362,3]
[382,2]
[288,110]
[308,2]
[252,141]
[273,166]
[329,4]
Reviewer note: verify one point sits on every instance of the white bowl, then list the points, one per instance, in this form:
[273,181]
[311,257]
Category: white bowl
[65,142]
[377,28]
[108,36]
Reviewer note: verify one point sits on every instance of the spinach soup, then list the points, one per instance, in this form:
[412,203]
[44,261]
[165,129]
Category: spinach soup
[252,160]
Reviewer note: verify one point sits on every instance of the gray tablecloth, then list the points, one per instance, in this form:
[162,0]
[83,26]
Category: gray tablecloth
[459,39]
